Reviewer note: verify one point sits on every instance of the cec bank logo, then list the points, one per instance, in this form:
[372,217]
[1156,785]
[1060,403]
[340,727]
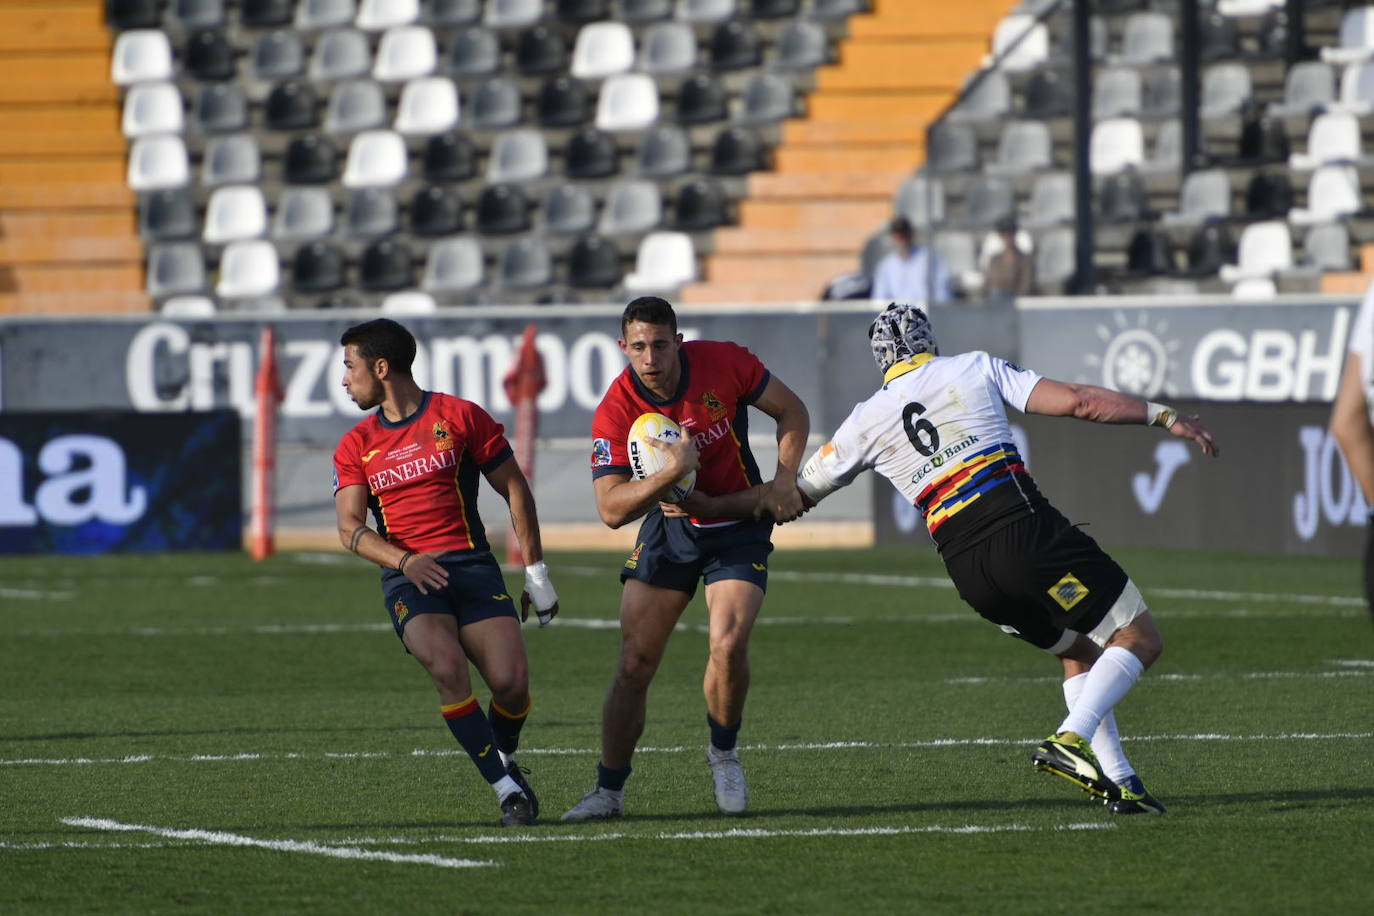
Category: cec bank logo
[1137,359]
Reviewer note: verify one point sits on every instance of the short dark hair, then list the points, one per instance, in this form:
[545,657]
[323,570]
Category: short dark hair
[650,310]
[385,339]
[900,225]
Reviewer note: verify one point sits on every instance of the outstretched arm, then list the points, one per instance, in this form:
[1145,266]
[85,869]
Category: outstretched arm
[1102,405]
[1350,425]
[509,481]
[780,497]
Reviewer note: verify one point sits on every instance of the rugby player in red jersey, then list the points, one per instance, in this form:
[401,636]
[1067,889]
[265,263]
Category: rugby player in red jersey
[415,464]
[707,388]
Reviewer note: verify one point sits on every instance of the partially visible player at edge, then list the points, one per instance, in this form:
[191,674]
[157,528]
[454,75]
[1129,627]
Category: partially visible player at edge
[415,464]
[1352,421]
[706,387]
[938,430]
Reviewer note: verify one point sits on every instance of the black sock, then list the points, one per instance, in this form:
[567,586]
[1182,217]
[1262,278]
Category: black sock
[506,726]
[723,737]
[612,779]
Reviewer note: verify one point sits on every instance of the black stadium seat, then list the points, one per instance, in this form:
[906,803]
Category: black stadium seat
[435,211]
[736,150]
[563,102]
[310,160]
[455,12]
[132,14]
[591,153]
[700,99]
[700,205]
[208,56]
[594,262]
[734,46]
[385,266]
[167,215]
[292,106]
[582,11]
[449,157]
[502,209]
[317,268]
[664,152]
[260,14]
[541,50]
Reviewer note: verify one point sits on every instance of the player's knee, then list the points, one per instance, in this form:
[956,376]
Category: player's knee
[636,669]
[510,684]
[730,649]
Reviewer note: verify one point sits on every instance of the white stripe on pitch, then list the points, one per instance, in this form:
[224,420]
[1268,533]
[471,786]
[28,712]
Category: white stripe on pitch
[220,838]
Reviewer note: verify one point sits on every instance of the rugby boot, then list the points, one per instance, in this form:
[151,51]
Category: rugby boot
[1071,757]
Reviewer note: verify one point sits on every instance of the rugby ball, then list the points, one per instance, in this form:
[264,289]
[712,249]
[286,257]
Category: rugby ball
[646,460]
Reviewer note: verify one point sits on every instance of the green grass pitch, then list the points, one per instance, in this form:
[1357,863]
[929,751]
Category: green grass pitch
[202,733]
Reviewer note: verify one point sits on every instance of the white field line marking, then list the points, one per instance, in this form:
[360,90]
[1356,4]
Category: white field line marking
[218,838]
[1354,662]
[81,844]
[749,833]
[648,749]
[35,594]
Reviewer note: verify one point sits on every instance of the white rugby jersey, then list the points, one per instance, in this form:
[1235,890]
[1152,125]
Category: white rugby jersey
[1362,345]
[938,430]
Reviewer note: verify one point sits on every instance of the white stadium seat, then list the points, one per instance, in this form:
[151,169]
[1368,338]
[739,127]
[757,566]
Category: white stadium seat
[141,56]
[628,101]
[248,269]
[153,108]
[665,261]
[404,53]
[376,158]
[158,162]
[428,105]
[376,15]
[603,49]
[235,214]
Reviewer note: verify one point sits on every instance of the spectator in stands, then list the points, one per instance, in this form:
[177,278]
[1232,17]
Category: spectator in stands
[1010,272]
[911,273]
[1351,423]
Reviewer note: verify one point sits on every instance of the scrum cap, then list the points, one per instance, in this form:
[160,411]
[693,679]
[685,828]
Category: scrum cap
[900,332]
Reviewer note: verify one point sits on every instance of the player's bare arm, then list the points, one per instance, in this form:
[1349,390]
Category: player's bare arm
[1102,405]
[1350,425]
[740,504]
[510,483]
[620,500]
[780,497]
[350,507]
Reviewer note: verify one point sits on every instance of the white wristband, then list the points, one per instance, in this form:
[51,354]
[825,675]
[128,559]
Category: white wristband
[1160,415]
[540,590]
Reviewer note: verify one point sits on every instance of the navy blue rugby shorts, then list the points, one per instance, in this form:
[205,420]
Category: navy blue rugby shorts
[475,591]
[673,553]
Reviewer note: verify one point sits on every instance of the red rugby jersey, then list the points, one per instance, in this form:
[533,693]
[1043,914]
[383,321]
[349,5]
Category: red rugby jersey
[422,473]
[719,381]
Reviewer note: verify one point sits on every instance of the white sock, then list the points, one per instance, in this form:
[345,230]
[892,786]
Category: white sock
[505,786]
[1108,680]
[505,758]
[1106,742]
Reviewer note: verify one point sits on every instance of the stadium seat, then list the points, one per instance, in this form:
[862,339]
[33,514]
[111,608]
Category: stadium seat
[1146,38]
[317,268]
[958,251]
[141,56]
[1357,89]
[775,9]
[1019,43]
[209,57]
[235,213]
[409,302]
[1225,90]
[291,106]
[375,158]
[231,159]
[1333,137]
[1149,254]
[1025,146]
[355,106]
[836,9]
[603,49]
[699,206]
[303,213]
[278,55]
[1205,195]
[446,13]
[1048,95]
[263,14]
[1116,144]
[450,157]
[196,14]
[628,101]
[734,45]
[736,151]
[1121,198]
[435,211]
[1255,288]
[562,102]
[313,15]
[1263,138]
[158,162]
[540,51]
[1309,87]
[1218,37]
[167,215]
[1117,92]
[370,212]
[379,15]
[1265,248]
[1269,195]
[704,10]
[1162,93]
[1209,248]
[951,148]
[921,200]
[178,267]
[668,47]
[404,53]
[384,266]
[474,52]
[986,97]
[664,261]
[1247,7]
[428,105]
[340,54]
[518,155]
[497,104]
[594,263]
[131,14]
[221,107]
[513,14]
[1055,262]
[501,210]
[1333,193]
[1327,247]
[580,12]
[568,209]
[1356,38]
[248,269]
[664,152]
[453,265]
[526,263]
[591,154]
[802,45]
[187,307]
[989,200]
[632,207]
[645,10]
[700,99]
[310,160]
[1051,201]
[152,108]
[768,97]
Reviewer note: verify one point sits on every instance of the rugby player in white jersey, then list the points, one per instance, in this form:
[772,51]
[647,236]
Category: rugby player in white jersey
[938,430]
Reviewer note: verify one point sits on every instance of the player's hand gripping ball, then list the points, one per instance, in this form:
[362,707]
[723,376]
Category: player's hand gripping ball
[646,460]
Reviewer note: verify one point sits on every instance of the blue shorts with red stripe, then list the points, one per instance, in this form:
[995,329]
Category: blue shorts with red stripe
[673,553]
[475,591]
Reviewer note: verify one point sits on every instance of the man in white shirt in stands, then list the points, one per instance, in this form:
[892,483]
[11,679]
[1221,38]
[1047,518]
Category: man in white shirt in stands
[911,272]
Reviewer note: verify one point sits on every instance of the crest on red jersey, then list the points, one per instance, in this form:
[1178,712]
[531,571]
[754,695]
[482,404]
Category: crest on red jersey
[442,440]
[713,405]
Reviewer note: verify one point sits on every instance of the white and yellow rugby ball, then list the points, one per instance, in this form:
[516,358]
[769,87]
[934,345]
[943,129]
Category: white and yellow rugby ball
[646,460]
